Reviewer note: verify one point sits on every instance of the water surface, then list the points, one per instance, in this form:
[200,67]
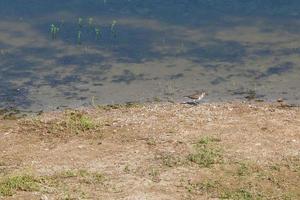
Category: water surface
[146,50]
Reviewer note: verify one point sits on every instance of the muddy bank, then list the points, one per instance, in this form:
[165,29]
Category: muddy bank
[153,151]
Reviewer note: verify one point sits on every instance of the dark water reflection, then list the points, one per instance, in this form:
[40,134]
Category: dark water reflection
[156,49]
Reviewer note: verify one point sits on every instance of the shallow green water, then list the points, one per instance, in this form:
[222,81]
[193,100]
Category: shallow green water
[115,51]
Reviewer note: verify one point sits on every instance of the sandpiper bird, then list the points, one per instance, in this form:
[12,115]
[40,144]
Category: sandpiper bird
[196,97]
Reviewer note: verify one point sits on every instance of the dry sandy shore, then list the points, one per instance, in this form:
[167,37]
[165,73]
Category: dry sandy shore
[154,151]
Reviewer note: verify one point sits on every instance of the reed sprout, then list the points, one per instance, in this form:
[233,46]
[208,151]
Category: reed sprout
[90,21]
[113,28]
[113,25]
[93,29]
[54,30]
[79,37]
[80,20]
[98,33]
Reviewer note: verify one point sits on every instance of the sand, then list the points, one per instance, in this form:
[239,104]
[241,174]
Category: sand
[236,150]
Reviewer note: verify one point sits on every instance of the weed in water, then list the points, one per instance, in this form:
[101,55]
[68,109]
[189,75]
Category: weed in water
[113,28]
[90,21]
[98,33]
[79,37]
[113,24]
[80,20]
[54,30]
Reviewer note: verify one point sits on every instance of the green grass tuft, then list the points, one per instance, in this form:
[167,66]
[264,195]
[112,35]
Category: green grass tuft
[79,122]
[240,194]
[206,153]
[10,185]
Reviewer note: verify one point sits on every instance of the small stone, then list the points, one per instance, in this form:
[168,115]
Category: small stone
[44,197]
[264,128]
[280,100]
